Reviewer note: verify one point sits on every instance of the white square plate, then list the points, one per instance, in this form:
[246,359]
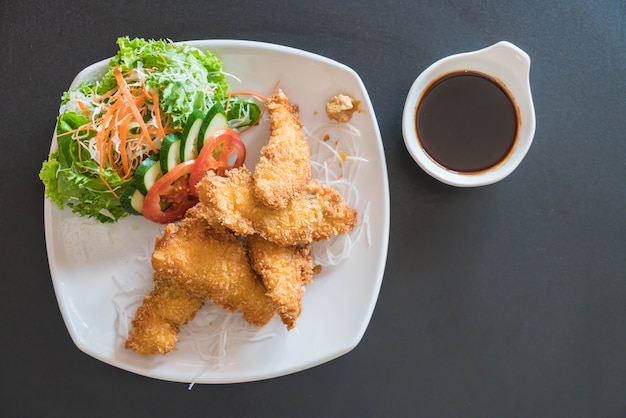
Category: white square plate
[90,263]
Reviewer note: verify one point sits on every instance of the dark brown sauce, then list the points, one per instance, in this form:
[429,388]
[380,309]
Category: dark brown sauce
[467,122]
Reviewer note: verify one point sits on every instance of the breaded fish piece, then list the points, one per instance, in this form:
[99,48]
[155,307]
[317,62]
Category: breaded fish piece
[284,168]
[212,264]
[285,272]
[157,321]
[209,217]
[196,260]
[317,214]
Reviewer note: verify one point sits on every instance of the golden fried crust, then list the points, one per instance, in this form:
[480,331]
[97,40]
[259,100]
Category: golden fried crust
[208,263]
[210,218]
[284,168]
[157,321]
[285,271]
[317,214]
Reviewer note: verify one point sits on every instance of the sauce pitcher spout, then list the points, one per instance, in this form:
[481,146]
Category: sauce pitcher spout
[508,53]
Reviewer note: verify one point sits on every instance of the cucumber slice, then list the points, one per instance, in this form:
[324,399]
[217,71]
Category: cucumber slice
[215,119]
[148,172]
[170,152]
[189,140]
[132,200]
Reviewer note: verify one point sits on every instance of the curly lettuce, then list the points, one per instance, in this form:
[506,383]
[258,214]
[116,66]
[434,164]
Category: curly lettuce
[186,79]
[76,183]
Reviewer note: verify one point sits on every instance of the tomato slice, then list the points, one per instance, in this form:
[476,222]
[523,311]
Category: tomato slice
[170,196]
[221,151]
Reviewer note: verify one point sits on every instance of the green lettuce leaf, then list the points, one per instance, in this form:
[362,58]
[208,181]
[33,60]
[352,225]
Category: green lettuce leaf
[242,112]
[186,77]
[75,182]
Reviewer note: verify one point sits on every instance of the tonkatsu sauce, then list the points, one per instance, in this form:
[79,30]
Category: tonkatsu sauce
[467,121]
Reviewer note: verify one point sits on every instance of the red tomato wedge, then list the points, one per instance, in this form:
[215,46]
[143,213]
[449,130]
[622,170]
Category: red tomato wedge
[221,151]
[170,196]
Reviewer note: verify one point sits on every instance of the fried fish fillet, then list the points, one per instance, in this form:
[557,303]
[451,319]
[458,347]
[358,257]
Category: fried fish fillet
[284,168]
[212,264]
[194,262]
[157,321]
[285,272]
[317,214]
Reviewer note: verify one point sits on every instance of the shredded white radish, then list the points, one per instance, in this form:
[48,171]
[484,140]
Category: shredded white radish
[335,160]
[212,331]
[126,300]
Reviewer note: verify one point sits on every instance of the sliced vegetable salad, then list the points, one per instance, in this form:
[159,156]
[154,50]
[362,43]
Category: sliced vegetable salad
[138,140]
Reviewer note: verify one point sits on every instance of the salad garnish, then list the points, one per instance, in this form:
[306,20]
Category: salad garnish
[107,128]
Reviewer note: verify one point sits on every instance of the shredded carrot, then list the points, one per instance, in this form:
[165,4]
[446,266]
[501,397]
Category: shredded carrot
[247,93]
[83,107]
[123,152]
[145,90]
[119,146]
[76,135]
[123,87]
[100,146]
[157,112]
[275,89]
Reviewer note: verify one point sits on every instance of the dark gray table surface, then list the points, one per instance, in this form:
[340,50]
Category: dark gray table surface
[503,301]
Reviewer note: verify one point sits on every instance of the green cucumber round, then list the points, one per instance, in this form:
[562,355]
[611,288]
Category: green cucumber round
[215,119]
[132,200]
[170,152]
[189,140]
[148,172]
